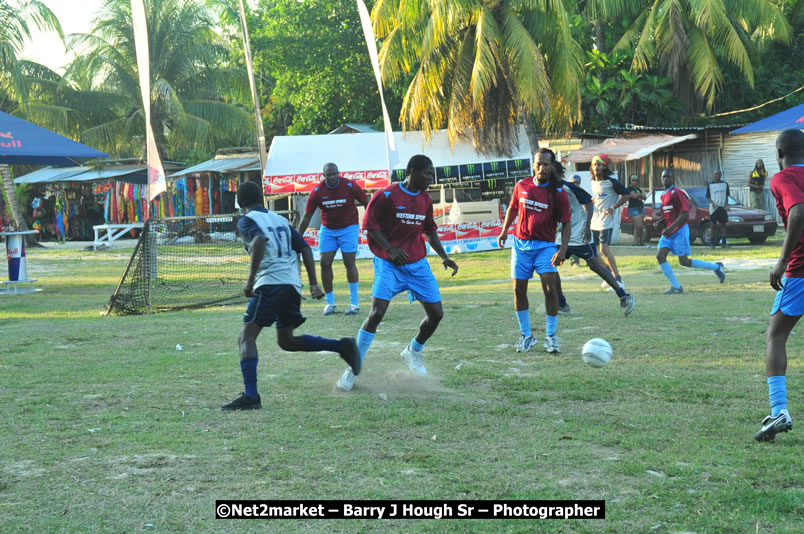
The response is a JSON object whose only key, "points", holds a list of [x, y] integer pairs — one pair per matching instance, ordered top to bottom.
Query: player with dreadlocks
{"points": [[608, 194], [540, 203]]}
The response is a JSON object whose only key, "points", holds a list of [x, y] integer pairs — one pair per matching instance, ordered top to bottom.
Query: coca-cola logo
{"points": [[376, 175], [307, 178], [282, 179], [490, 224], [466, 226], [445, 228]]}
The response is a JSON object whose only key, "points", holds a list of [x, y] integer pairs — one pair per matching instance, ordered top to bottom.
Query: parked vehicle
{"points": [[752, 223]]}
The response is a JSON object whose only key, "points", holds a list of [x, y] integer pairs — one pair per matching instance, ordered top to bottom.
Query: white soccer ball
{"points": [[596, 352]]}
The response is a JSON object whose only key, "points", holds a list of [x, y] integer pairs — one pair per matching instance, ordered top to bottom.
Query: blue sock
{"points": [[700, 264], [668, 272], [353, 293], [330, 298], [562, 300], [524, 322], [550, 325], [364, 340], [314, 344], [415, 345], [249, 369], [777, 392]]}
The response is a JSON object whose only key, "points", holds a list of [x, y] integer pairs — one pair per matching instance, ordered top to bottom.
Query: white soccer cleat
{"points": [[330, 309], [353, 310], [525, 343], [551, 344], [414, 361], [347, 381]]}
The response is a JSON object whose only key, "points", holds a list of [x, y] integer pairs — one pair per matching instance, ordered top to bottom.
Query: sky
{"points": [[75, 16]]}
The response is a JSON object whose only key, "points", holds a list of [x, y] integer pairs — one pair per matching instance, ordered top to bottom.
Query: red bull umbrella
{"points": [[25, 142]]}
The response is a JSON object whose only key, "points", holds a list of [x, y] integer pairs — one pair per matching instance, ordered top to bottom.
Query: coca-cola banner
{"points": [[304, 183], [456, 238]]}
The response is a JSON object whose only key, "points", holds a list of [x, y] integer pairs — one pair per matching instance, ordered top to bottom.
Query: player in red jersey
{"points": [[336, 197], [540, 203], [396, 219], [676, 234], [787, 278]]}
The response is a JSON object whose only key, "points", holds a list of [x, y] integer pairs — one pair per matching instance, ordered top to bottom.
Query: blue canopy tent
{"points": [[785, 120], [22, 142]]}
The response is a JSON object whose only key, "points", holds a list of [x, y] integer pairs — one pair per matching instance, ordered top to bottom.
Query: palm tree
{"points": [[14, 21], [691, 41], [484, 65], [191, 86]]}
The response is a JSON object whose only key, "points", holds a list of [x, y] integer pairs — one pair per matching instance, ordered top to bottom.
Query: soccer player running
{"points": [[717, 193], [608, 194], [336, 197], [539, 204], [581, 210], [395, 220], [676, 234], [787, 278], [274, 287]]}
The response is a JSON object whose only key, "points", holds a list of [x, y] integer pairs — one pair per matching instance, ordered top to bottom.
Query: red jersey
{"points": [[787, 187], [337, 203], [674, 203], [539, 210], [402, 217]]}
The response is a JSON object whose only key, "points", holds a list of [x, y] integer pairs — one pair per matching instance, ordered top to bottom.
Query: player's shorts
{"points": [[635, 212], [719, 216], [602, 237], [345, 239], [678, 243], [585, 252], [529, 256], [417, 278], [790, 299], [280, 304]]}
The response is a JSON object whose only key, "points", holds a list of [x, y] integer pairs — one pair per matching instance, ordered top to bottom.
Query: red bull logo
{"points": [[800, 120], [7, 140], [15, 249]]}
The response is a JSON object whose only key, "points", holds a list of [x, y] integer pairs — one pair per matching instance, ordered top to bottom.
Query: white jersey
{"points": [[605, 193], [718, 195], [577, 198], [279, 265]]}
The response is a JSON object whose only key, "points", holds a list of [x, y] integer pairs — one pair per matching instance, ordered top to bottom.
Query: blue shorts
{"points": [[635, 212], [602, 237], [345, 239], [678, 243], [585, 252], [537, 256], [417, 278], [790, 299], [280, 304]]}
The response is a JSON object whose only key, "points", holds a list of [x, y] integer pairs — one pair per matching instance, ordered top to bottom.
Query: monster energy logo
{"points": [[517, 164], [495, 166], [470, 168], [447, 172], [400, 174], [492, 184]]}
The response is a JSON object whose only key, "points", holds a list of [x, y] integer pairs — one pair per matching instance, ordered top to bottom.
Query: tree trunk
{"points": [[533, 135], [11, 194]]}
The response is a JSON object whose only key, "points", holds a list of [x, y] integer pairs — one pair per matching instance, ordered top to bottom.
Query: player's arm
{"points": [[621, 190], [728, 193], [589, 208], [510, 214], [305, 222], [678, 223], [795, 225], [435, 242], [299, 245], [257, 250], [396, 255], [561, 255]]}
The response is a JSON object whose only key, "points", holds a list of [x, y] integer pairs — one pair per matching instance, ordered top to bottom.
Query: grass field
{"points": [[106, 427]]}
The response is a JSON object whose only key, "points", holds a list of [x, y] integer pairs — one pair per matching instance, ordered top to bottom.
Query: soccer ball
{"points": [[596, 352]]}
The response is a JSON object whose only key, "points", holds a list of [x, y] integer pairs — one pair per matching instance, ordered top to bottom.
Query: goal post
{"points": [[180, 263]]}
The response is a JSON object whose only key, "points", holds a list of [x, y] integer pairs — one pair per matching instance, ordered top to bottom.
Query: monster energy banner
{"points": [[518, 167], [494, 169], [471, 172], [398, 175], [447, 175], [491, 189]]}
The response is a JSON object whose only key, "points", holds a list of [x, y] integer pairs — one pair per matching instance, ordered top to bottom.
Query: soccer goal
{"points": [[183, 262]]}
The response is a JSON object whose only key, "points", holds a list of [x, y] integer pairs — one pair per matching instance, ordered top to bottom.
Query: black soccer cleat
{"points": [[351, 354], [243, 403], [774, 425]]}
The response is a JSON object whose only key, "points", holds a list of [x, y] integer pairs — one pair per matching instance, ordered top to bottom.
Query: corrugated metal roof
{"points": [[640, 128], [217, 165], [49, 174]]}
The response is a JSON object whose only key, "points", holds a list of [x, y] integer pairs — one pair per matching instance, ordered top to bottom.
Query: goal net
{"points": [[183, 262]]}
